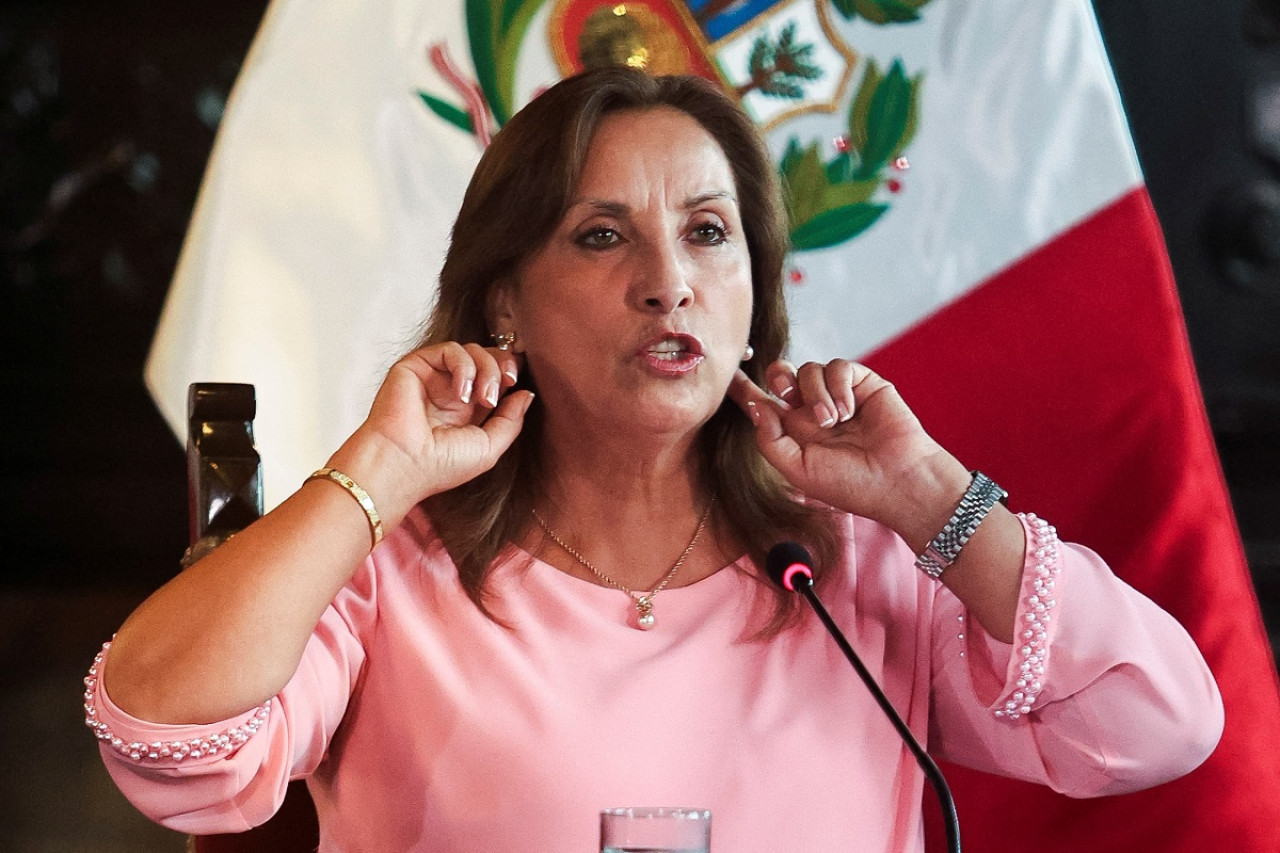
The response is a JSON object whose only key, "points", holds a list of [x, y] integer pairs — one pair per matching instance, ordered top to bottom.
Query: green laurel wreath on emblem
{"points": [[495, 29], [456, 116], [830, 201]]}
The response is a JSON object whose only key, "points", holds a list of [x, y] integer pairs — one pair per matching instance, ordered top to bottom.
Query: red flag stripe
{"points": [[1068, 378]]}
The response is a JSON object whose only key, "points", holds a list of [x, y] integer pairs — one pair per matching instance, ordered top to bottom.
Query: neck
{"points": [[590, 464], [629, 510]]}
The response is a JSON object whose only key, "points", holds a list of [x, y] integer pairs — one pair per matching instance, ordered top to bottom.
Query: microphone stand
{"points": [[803, 584]]}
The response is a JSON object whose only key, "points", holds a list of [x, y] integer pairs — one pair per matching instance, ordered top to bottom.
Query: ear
{"points": [[499, 308]]}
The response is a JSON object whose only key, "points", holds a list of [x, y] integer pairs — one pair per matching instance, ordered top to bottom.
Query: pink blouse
{"points": [[422, 725]]}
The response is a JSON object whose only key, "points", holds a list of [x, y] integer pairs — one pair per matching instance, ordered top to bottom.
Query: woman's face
{"points": [[636, 311]]}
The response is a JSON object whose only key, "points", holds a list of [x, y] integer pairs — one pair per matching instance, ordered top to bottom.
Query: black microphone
{"points": [[791, 567]]}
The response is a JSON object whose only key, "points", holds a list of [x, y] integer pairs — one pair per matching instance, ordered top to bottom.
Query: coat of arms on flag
{"points": [[781, 59]]}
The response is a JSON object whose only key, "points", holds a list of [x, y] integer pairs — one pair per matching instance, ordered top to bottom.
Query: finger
{"points": [[509, 364], [447, 371], [488, 375], [839, 377], [781, 379], [866, 380], [812, 381], [866, 383], [744, 392], [753, 400], [506, 421], [778, 448]]}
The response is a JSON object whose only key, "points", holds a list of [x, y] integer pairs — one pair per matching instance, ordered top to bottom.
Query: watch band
{"points": [[983, 494]]}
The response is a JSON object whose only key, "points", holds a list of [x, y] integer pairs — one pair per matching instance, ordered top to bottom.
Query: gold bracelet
{"points": [[361, 496]]}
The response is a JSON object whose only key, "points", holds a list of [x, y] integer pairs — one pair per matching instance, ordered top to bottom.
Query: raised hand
{"points": [[443, 415], [841, 434]]}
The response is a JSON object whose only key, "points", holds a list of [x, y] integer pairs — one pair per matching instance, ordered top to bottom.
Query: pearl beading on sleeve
{"points": [[1034, 637], [222, 743]]}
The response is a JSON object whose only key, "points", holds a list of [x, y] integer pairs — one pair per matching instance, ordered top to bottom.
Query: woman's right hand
{"points": [[443, 415]]}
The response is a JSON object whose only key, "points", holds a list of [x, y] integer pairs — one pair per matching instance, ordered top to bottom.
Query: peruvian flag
{"points": [[969, 218]]}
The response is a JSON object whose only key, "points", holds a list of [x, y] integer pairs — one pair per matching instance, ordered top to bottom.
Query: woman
{"points": [[480, 681]]}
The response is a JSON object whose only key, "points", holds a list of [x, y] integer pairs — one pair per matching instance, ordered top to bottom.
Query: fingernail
{"points": [[510, 373], [466, 391], [784, 391], [491, 394], [753, 411], [823, 413], [845, 414]]}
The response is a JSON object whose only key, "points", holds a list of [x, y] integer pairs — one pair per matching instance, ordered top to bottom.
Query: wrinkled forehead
{"points": [[653, 154]]}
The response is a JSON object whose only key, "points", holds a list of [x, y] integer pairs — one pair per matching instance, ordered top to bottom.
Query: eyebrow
{"points": [[617, 208]]}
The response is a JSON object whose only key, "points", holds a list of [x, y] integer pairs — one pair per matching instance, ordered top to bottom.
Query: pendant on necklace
{"points": [[644, 613]]}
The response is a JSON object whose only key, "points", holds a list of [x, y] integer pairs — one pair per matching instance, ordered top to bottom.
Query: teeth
{"points": [[667, 346]]}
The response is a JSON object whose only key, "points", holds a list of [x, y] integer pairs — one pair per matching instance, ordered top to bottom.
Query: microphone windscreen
{"points": [[785, 560]]}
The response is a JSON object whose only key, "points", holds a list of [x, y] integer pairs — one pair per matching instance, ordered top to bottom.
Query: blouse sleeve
{"points": [[1102, 692], [231, 775]]}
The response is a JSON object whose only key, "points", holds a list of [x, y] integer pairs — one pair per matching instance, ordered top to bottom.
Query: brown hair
{"points": [[519, 192]]}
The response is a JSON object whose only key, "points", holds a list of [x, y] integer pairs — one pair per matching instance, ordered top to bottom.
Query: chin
{"points": [[669, 419]]}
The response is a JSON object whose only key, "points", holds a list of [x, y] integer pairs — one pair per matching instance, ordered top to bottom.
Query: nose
{"points": [[662, 283]]}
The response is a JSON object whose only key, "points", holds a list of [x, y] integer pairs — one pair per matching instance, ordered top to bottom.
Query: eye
{"points": [[708, 234], [598, 238]]}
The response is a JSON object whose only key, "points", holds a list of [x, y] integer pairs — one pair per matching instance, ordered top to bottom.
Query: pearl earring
{"points": [[748, 353]]}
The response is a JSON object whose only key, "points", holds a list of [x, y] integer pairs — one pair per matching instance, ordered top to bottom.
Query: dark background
{"points": [[107, 115]]}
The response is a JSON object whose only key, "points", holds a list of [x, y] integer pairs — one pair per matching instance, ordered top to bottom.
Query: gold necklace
{"points": [[644, 603]]}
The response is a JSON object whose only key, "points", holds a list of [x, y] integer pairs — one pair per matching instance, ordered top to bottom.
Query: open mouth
{"points": [[669, 350], [673, 353]]}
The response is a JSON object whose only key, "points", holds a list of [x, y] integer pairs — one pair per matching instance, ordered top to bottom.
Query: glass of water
{"points": [[655, 830]]}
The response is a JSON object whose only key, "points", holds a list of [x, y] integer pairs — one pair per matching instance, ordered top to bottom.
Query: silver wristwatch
{"points": [[979, 498]]}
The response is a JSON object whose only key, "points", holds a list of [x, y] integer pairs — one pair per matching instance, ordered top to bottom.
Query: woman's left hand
{"points": [[841, 434]]}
